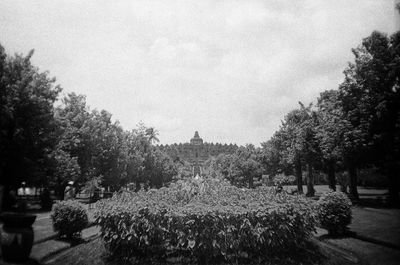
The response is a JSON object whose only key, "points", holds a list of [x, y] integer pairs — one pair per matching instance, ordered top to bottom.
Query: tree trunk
{"points": [[392, 169], [331, 175], [299, 176], [310, 181], [353, 181], [251, 182], [137, 185], [393, 189]]}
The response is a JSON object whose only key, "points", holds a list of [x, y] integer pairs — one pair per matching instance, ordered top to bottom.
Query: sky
{"points": [[228, 69]]}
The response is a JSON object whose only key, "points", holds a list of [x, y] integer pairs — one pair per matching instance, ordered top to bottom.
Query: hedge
{"points": [[204, 219]]}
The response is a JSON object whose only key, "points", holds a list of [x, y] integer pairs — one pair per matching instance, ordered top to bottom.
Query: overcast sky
{"points": [[228, 69]]}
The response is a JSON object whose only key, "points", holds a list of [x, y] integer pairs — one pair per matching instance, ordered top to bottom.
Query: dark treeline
{"points": [[354, 127], [47, 146]]}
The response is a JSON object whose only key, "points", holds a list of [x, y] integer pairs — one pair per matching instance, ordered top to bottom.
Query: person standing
{"points": [[69, 193]]}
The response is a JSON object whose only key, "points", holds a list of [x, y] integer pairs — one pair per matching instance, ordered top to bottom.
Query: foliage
{"points": [[370, 95], [27, 125], [91, 142], [92, 145], [294, 146], [240, 167], [244, 167], [65, 169], [281, 179], [334, 212], [69, 218], [206, 219]]}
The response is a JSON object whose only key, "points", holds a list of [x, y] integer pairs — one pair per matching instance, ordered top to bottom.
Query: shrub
{"points": [[281, 179], [334, 212], [69, 219], [204, 219]]}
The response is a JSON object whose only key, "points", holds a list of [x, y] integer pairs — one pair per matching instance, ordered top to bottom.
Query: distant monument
{"points": [[196, 140], [196, 143], [196, 152]]}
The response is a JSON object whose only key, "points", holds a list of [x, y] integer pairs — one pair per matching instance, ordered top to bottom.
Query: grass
{"points": [[380, 224], [94, 253], [370, 253]]}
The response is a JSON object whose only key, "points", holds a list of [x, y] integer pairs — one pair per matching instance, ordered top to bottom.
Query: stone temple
{"points": [[196, 152]]}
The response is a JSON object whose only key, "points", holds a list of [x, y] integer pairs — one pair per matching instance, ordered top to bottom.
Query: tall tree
{"points": [[371, 102], [27, 126], [330, 131], [300, 139], [93, 140], [274, 158]]}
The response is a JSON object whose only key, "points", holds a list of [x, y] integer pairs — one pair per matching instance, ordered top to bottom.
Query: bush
{"points": [[281, 179], [334, 212], [69, 219], [204, 219]]}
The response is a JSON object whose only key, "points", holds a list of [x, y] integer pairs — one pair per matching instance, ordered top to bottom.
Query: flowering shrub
{"points": [[334, 212], [69, 218], [204, 219]]}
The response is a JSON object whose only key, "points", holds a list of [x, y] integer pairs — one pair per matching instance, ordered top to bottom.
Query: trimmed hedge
{"points": [[334, 212], [69, 218], [204, 219]]}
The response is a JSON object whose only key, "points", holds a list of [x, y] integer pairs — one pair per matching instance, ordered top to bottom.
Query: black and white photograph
{"points": [[216, 132]]}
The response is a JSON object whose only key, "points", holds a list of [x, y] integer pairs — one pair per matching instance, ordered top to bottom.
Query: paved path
{"points": [[43, 227]]}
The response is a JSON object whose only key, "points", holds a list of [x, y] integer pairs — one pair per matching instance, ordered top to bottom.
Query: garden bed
{"points": [[205, 220]]}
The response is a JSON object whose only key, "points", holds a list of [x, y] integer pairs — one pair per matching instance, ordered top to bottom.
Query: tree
{"points": [[370, 96], [27, 126], [330, 132], [74, 135], [94, 140], [301, 143], [108, 158], [274, 161], [220, 164], [244, 167], [65, 169], [162, 170]]}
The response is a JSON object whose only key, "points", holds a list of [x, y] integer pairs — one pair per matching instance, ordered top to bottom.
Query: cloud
{"points": [[229, 69]]}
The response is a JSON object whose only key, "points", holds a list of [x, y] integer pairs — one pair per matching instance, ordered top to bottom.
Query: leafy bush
{"points": [[281, 179], [334, 212], [69, 219], [204, 219]]}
